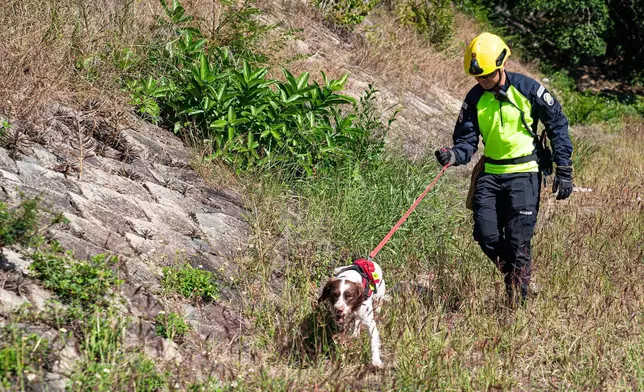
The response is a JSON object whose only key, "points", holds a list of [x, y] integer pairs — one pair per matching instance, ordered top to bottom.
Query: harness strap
{"points": [[512, 161], [365, 279]]}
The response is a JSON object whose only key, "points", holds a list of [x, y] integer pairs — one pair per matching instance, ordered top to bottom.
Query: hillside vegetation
{"points": [[317, 157]]}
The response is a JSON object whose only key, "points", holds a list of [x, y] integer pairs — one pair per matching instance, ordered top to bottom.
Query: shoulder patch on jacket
{"points": [[540, 91], [548, 98], [465, 105]]}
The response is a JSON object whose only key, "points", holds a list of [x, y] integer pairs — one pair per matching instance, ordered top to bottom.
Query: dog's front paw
{"points": [[377, 363]]}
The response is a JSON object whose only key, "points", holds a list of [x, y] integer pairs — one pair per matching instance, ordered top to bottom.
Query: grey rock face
{"points": [[135, 197], [148, 204]]}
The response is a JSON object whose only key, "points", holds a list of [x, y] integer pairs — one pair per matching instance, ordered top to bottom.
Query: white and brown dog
{"points": [[354, 292]]}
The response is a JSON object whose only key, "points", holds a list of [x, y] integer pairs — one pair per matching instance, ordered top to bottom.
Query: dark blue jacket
{"points": [[544, 108]]}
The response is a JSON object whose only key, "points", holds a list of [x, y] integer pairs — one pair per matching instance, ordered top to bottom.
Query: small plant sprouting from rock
{"points": [[4, 125], [14, 139], [83, 143], [104, 150], [129, 153], [66, 166], [129, 174], [166, 182], [184, 189], [193, 216], [19, 223], [194, 233], [146, 234], [83, 282], [190, 282], [171, 326]]}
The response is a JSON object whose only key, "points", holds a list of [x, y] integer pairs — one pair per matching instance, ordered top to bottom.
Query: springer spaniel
{"points": [[353, 292]]}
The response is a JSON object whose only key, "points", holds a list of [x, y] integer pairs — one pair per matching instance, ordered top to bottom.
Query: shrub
{"points": [[346, 12], [432, 19], [575, 29], [251, 120], [19, 224], [75, 281], [190, 282], [171, 326]]}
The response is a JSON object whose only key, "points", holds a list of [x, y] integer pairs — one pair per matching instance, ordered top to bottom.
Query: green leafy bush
{"points": [[346, 12], [433, 19], [575, 27], [571, 29], [607, 34], [251, 120], [75, 281], [190, 282], [171, 326], [125, 373]]}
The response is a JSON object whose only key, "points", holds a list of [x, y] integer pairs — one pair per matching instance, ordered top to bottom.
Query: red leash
{"points": [[404, 218]]}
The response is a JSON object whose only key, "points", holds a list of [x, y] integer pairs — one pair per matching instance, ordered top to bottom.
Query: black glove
{"points": [[445, 155], [562, 182]]}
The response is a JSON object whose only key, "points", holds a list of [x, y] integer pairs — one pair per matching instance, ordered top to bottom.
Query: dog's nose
{"points": [[339, 310]]}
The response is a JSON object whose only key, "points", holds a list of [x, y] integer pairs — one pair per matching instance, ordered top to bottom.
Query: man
{"points": [[504, 108]]}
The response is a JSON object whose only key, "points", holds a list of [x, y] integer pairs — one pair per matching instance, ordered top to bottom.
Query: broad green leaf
{"points": [[246, 71], [324, 78], [302, 81], [337, 85], [293, 98], [194, 112], [231, 114], [238, 121], [218, 124]]}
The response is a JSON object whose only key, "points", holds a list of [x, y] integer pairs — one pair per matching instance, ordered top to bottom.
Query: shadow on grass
{"points": [[311, 340]]}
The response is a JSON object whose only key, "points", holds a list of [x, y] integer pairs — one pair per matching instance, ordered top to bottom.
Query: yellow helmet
{"points": [[485, 54]]}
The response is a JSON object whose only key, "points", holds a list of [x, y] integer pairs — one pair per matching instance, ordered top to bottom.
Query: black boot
{"points": [[516, 291]]}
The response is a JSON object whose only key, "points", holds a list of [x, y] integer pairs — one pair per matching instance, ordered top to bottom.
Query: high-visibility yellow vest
{"points": [[504, 133]]}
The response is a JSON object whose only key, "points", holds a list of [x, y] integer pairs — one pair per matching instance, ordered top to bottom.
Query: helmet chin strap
{"points": [[497, 86]]}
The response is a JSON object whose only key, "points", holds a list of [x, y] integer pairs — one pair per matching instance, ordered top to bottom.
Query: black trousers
{"points": [[505, 213]]}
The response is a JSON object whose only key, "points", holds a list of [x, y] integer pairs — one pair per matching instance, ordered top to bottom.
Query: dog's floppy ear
{"points": [[326, 291]]}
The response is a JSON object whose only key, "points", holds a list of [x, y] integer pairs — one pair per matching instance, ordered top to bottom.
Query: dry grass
{"points": [[47, 41], [380, 47], [383, 48], [68, 50], [407, 61]]}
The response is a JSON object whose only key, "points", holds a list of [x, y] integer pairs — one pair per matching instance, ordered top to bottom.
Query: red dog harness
{"points": [[366, 270]]}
